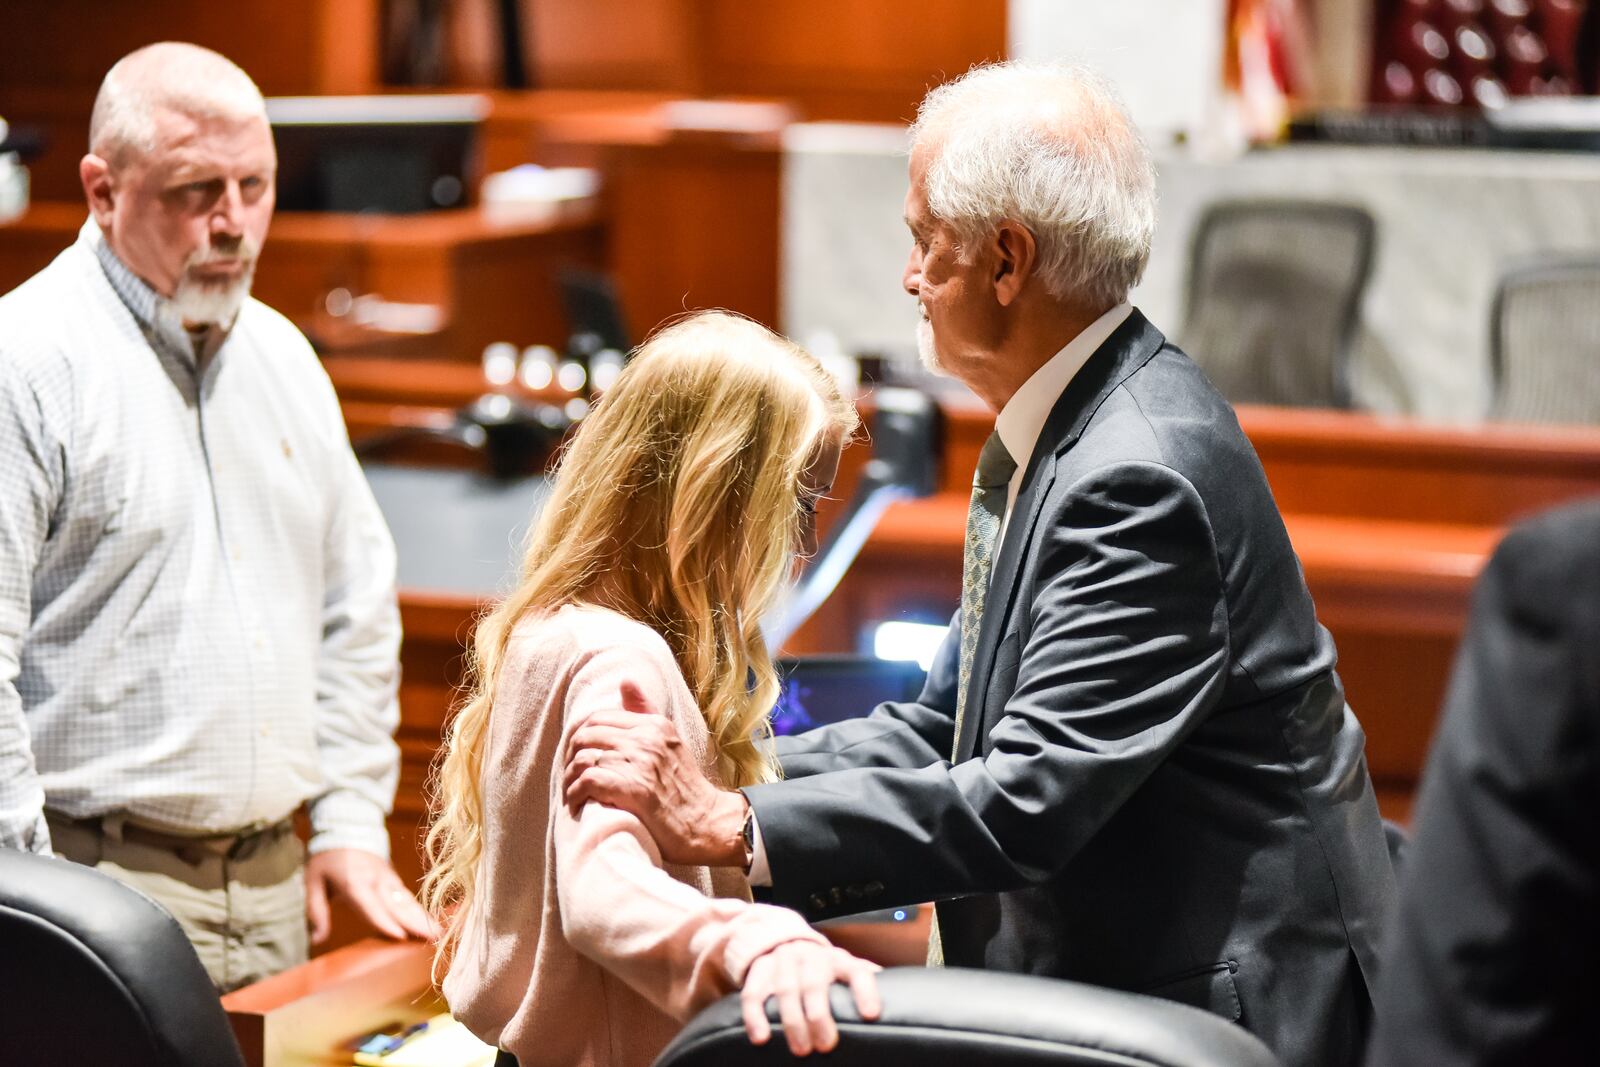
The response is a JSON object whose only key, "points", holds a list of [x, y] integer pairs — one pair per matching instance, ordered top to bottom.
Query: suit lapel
{"points": [[1128, 348]]}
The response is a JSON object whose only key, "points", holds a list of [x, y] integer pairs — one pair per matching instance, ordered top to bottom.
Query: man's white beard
{"points": [[197, 300], [927, 351]]}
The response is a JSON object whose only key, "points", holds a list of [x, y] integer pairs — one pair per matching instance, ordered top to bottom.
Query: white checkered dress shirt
{"points": [[198, 625]]}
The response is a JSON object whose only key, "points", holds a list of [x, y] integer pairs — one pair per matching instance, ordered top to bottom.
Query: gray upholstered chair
{"points": [[1274, 297], [1545, 343], [93, 972], [963, 1018]]}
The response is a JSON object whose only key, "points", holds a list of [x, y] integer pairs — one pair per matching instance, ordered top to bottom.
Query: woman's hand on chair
{"points": [[799, 974]]}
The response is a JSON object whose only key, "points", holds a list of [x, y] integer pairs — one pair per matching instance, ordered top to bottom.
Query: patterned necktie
{"points": [[990, 485]]}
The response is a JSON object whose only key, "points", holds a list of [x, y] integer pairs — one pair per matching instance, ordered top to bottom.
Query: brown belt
{"points": [[191, 849]]}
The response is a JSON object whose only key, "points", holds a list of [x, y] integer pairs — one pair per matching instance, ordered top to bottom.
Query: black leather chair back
{"points": [[94, 972], [964, 1018]]}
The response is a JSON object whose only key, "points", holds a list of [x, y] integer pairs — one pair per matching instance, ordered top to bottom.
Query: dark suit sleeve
{"points": [[1126, 654], [908, 734], [1493, 957]]}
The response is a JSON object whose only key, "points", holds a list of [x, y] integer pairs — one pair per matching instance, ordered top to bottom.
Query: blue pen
{"points": [[383, 1044]]}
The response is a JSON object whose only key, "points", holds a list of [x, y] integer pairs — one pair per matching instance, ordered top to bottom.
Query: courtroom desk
{"points": [[490, 280], [1345, 463], [307, 1016]]}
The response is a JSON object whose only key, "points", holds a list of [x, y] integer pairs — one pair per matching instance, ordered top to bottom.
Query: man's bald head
{"points": [[170, 76]]}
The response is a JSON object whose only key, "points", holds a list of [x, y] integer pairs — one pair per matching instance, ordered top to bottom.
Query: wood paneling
{"points": [[616, 44], [288, 46], [54, 53], [835, 59], [839, 59], [693, 212], [695, 227], [1333, 463]]}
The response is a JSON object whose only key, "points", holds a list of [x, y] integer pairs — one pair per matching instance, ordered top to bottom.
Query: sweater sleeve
{"points": [[619, 906]]}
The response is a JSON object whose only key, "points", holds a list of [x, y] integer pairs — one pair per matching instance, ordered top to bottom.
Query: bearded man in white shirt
{"points": [[198, 625]]}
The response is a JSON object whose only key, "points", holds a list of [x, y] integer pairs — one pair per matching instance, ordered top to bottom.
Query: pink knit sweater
{"points": [[581, 948]]}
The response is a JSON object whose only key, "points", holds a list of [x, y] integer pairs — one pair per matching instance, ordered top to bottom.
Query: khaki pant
{"points": [[245, 914]]}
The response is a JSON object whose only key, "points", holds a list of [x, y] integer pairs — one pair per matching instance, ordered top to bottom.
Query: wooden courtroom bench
{"points": [[306, 1016]]}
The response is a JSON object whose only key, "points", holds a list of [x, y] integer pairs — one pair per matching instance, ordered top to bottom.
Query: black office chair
{"points": [[1274, 297], [1545, 343], [93, 972], [961, 1018]]}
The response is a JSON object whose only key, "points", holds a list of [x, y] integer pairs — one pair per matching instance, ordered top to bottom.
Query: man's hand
{"points": [[633, 759], [370, 884], [799, 974]]}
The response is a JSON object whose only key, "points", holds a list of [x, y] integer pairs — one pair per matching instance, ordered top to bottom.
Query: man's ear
{"points": [[98, 187], [1016, 255]]}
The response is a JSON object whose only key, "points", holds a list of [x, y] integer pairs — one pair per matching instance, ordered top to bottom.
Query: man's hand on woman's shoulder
{"points": [[632, 758]]}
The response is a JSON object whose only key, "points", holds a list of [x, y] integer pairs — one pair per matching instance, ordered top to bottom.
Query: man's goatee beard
{"points": [[196, 302]]}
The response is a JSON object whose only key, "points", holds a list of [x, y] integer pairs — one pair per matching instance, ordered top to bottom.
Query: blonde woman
{"points": [[672, 525]]}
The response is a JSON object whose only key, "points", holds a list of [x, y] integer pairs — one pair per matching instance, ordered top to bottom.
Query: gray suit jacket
{"points": [[1158, 786]]}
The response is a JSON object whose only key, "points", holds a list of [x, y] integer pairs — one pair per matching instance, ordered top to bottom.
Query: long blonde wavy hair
{"points": [[677, 503]]}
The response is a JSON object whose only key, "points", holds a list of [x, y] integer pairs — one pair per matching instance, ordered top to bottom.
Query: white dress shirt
{"points": [[1019, 424], [198, 624]]}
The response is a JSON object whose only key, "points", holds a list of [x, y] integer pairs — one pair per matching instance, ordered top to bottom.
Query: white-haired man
{"points": [[198, 626], [1132, 764]]}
